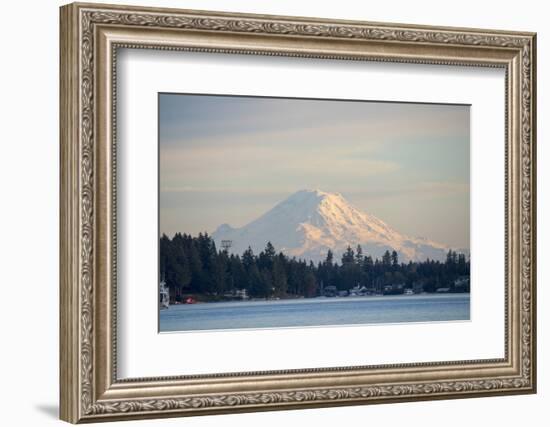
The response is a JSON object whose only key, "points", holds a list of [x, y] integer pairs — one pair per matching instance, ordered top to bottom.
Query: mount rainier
{"points": [[310, 222]]}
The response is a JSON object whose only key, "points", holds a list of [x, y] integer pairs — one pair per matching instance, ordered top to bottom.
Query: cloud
{"points": [[189, 118], [227, 159], [268, 166], [418, 191]]}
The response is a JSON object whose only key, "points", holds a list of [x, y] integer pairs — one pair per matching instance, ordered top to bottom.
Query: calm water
{"points": [[315, 312]]}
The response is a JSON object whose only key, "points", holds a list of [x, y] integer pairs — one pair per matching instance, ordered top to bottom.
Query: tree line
{"points": [[194, 266]]}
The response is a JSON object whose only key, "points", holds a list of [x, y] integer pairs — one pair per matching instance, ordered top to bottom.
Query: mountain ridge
{"points": [[310, 222]]}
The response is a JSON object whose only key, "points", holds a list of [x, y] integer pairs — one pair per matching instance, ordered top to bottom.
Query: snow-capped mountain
{"points": [[310, 222]]}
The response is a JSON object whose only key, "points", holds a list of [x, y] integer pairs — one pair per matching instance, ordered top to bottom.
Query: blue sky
{"points": [[227, 159]]}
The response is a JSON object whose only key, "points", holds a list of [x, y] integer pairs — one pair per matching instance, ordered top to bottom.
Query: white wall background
{"points": [[29, 171]]}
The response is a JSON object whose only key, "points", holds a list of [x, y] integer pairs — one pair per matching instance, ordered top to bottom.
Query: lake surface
{"points": [[315, 312]]}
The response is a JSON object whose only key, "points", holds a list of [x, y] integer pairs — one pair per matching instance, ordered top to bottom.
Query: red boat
{"points": [[190, 300]]}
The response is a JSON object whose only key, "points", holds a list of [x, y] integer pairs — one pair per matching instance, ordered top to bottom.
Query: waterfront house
{"points": [[462, 284], [418, 287], [394, 289], [330, 291], [357, 291], [241, 293]]}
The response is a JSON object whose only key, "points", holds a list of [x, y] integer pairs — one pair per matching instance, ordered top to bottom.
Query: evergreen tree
{"points": [[269, 250], [359, 255], [348, 257], [248, 258], [330, 258], [265, 259], [386, 259], [394, 259], [193, 265], [462, 268], [368, 271], [219, 273], [279, 276], [237, 277], [293, 277], [256, 282], [310, 285]]}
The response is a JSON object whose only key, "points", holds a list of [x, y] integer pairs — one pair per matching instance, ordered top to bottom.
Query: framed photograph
{"points": [[266, 212]]}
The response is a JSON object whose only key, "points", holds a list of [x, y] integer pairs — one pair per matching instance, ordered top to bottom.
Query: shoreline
{"points": [[321, 298]]}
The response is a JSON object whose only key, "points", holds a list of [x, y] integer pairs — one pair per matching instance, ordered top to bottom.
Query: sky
{"points": [[229, 159]]}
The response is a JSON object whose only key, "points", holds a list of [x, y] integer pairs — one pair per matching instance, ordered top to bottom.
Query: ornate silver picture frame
{"points": [[91, 36]]}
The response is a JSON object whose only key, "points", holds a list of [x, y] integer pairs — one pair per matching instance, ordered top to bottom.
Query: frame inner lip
{"points": [[341, 370]]}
